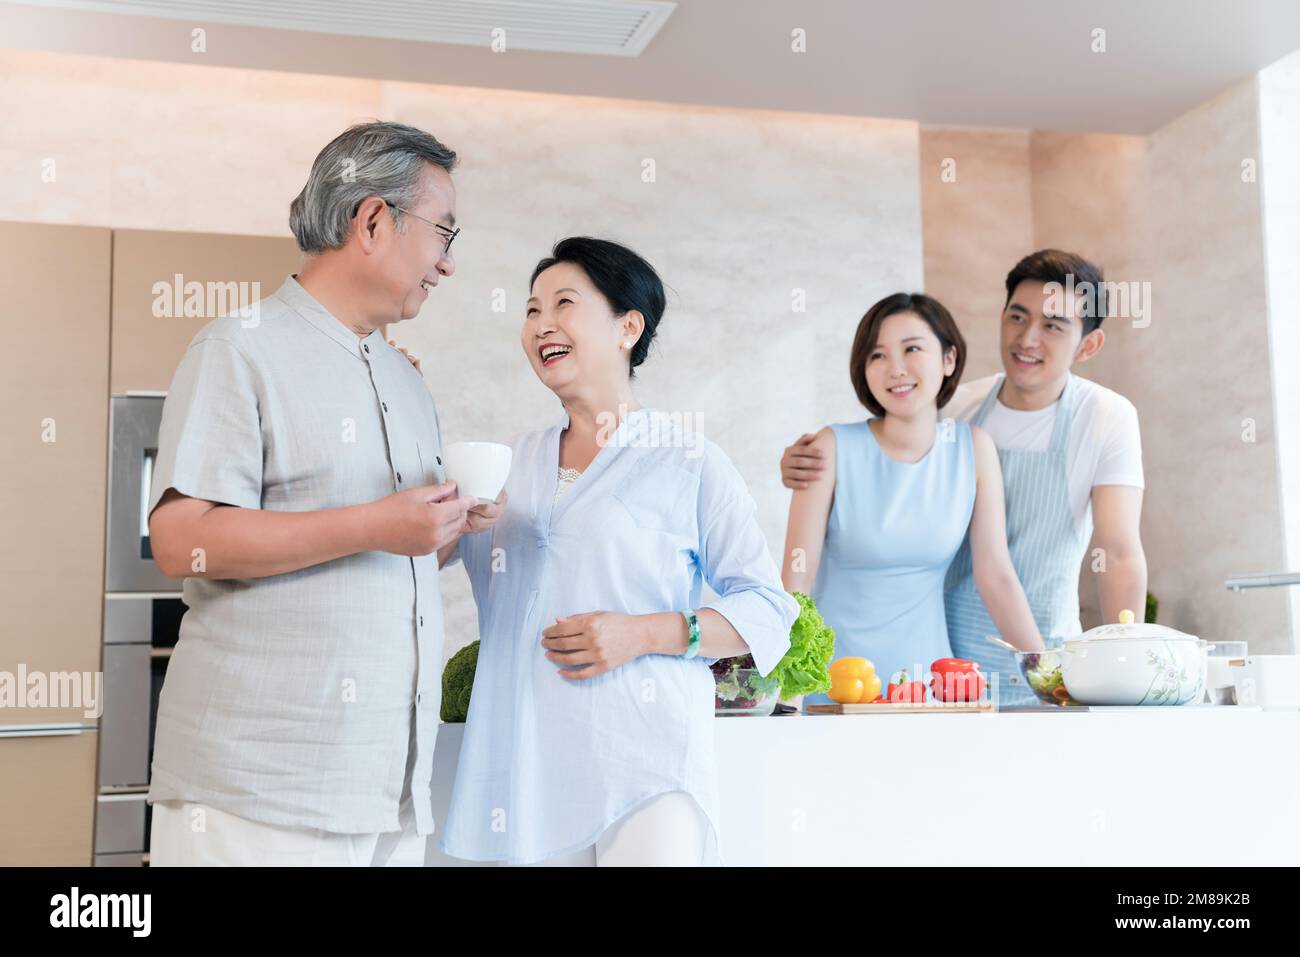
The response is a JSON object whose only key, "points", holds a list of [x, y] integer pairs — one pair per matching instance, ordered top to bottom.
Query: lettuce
{"points": [[803, 670]]}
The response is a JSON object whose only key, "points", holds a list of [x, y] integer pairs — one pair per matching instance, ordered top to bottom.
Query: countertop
{"points": [[1116, 786]]}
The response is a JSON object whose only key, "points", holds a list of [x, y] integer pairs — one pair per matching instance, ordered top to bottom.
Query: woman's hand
{"points": [[413, 359], [482, 517], [594, 642]]}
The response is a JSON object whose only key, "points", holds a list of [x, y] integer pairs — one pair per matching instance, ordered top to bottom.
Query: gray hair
{"points": [[369, 159]]}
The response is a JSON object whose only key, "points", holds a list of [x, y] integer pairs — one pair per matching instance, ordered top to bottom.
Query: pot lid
{"points": [[1127, 628]]}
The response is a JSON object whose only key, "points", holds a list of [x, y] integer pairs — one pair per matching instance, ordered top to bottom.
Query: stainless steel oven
{"points": [[135, 418], [142, 615]]}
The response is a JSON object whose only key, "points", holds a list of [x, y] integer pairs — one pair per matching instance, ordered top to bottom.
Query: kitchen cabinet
{"points": [[167, 286], [89, 312], [54, 417], [47, 803]]}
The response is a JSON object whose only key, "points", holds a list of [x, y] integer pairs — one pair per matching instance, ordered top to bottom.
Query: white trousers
{"points": [[667, 831], [185, 834]]}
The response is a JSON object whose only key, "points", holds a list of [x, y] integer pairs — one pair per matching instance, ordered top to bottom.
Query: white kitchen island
{"points": [[1144, 786]]}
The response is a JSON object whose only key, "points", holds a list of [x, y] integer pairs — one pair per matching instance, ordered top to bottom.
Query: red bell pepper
{"points": [[957, 679]]}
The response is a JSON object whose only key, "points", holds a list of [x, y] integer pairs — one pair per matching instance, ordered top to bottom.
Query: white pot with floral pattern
{"points": [[1134, 664]]}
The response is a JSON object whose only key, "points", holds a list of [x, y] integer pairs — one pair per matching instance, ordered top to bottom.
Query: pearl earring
{"points": [[627, 343]]}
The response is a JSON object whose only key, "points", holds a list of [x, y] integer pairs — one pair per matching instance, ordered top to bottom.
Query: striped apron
{"points": [[1046, 549]]}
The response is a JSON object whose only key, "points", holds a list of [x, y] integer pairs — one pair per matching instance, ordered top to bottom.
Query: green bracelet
{"points": [[693, 645]]}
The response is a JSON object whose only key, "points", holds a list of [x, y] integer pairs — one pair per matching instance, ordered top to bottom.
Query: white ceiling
{"points": [[1017, 64]]}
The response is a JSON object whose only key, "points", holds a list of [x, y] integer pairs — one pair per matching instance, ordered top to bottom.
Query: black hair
{"points": [[1066, 269], [625, 279], [941, 323]]}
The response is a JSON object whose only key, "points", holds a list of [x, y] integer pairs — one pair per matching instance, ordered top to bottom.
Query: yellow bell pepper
{"points": [[852, 667], [853, 681], [846, 689], [872, 690]]}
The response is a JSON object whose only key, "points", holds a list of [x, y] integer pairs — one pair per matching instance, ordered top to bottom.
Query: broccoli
{"points": [[458, 683]]}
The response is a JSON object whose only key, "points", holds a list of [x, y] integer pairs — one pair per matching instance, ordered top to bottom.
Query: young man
{"points": [[1071, 458]]}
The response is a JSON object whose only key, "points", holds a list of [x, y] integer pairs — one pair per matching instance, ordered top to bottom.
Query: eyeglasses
{"points": [[443, 231]]}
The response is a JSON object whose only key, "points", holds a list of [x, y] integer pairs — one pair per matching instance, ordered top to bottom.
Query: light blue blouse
{"points": [[547, 764]]}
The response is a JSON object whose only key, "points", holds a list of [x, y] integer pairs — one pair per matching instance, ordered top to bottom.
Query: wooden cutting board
{"points": [[925, 707]]}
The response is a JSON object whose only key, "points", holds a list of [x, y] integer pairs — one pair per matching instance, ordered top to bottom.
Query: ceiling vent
{"points": [[609, 27]]}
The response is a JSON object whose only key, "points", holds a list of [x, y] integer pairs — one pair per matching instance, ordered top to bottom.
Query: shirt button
{"points": [[365, 348], [385, 406], [438, 459], [399, 476], [541, 543], [421, 621], [419, 697]]}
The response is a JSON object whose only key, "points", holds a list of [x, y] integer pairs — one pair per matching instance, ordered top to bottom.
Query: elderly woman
{"points": [[589, 739]]}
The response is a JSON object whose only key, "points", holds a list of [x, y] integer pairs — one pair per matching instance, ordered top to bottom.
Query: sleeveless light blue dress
{"points": [[893, 529]]}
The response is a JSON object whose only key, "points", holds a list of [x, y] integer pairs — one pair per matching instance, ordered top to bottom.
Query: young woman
{"points": [[871, 540], [590, 731]]}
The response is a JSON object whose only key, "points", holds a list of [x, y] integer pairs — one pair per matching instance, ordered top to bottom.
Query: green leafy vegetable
{"points": [[812, 645], [1045, 679]]}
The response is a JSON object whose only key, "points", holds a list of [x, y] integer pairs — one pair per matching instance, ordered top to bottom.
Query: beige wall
{"points": [[1085, 192], [1169, 209], [747, 210], [978, 216], [1218, 511]]}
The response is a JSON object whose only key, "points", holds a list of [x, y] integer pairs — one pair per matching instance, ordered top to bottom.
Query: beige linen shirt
{"points": [[289, 699]]}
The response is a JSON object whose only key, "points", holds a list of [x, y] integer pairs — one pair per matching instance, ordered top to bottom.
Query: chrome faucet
{"points": [[1271, 580]]}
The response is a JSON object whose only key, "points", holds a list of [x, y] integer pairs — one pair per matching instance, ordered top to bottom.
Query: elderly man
{"points": [[300, 489]]}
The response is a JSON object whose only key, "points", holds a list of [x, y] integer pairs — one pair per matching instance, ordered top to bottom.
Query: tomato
{"points": [[905, 691]]}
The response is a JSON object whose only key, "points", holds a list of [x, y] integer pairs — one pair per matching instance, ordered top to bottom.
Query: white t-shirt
{"points": [[1105, 446]]}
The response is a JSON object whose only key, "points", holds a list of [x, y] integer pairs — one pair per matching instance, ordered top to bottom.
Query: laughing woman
{"points": [[873, 538], [589, 739]]}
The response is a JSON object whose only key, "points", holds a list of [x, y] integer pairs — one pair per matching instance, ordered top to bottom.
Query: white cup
{"points": [[478, 468]]}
